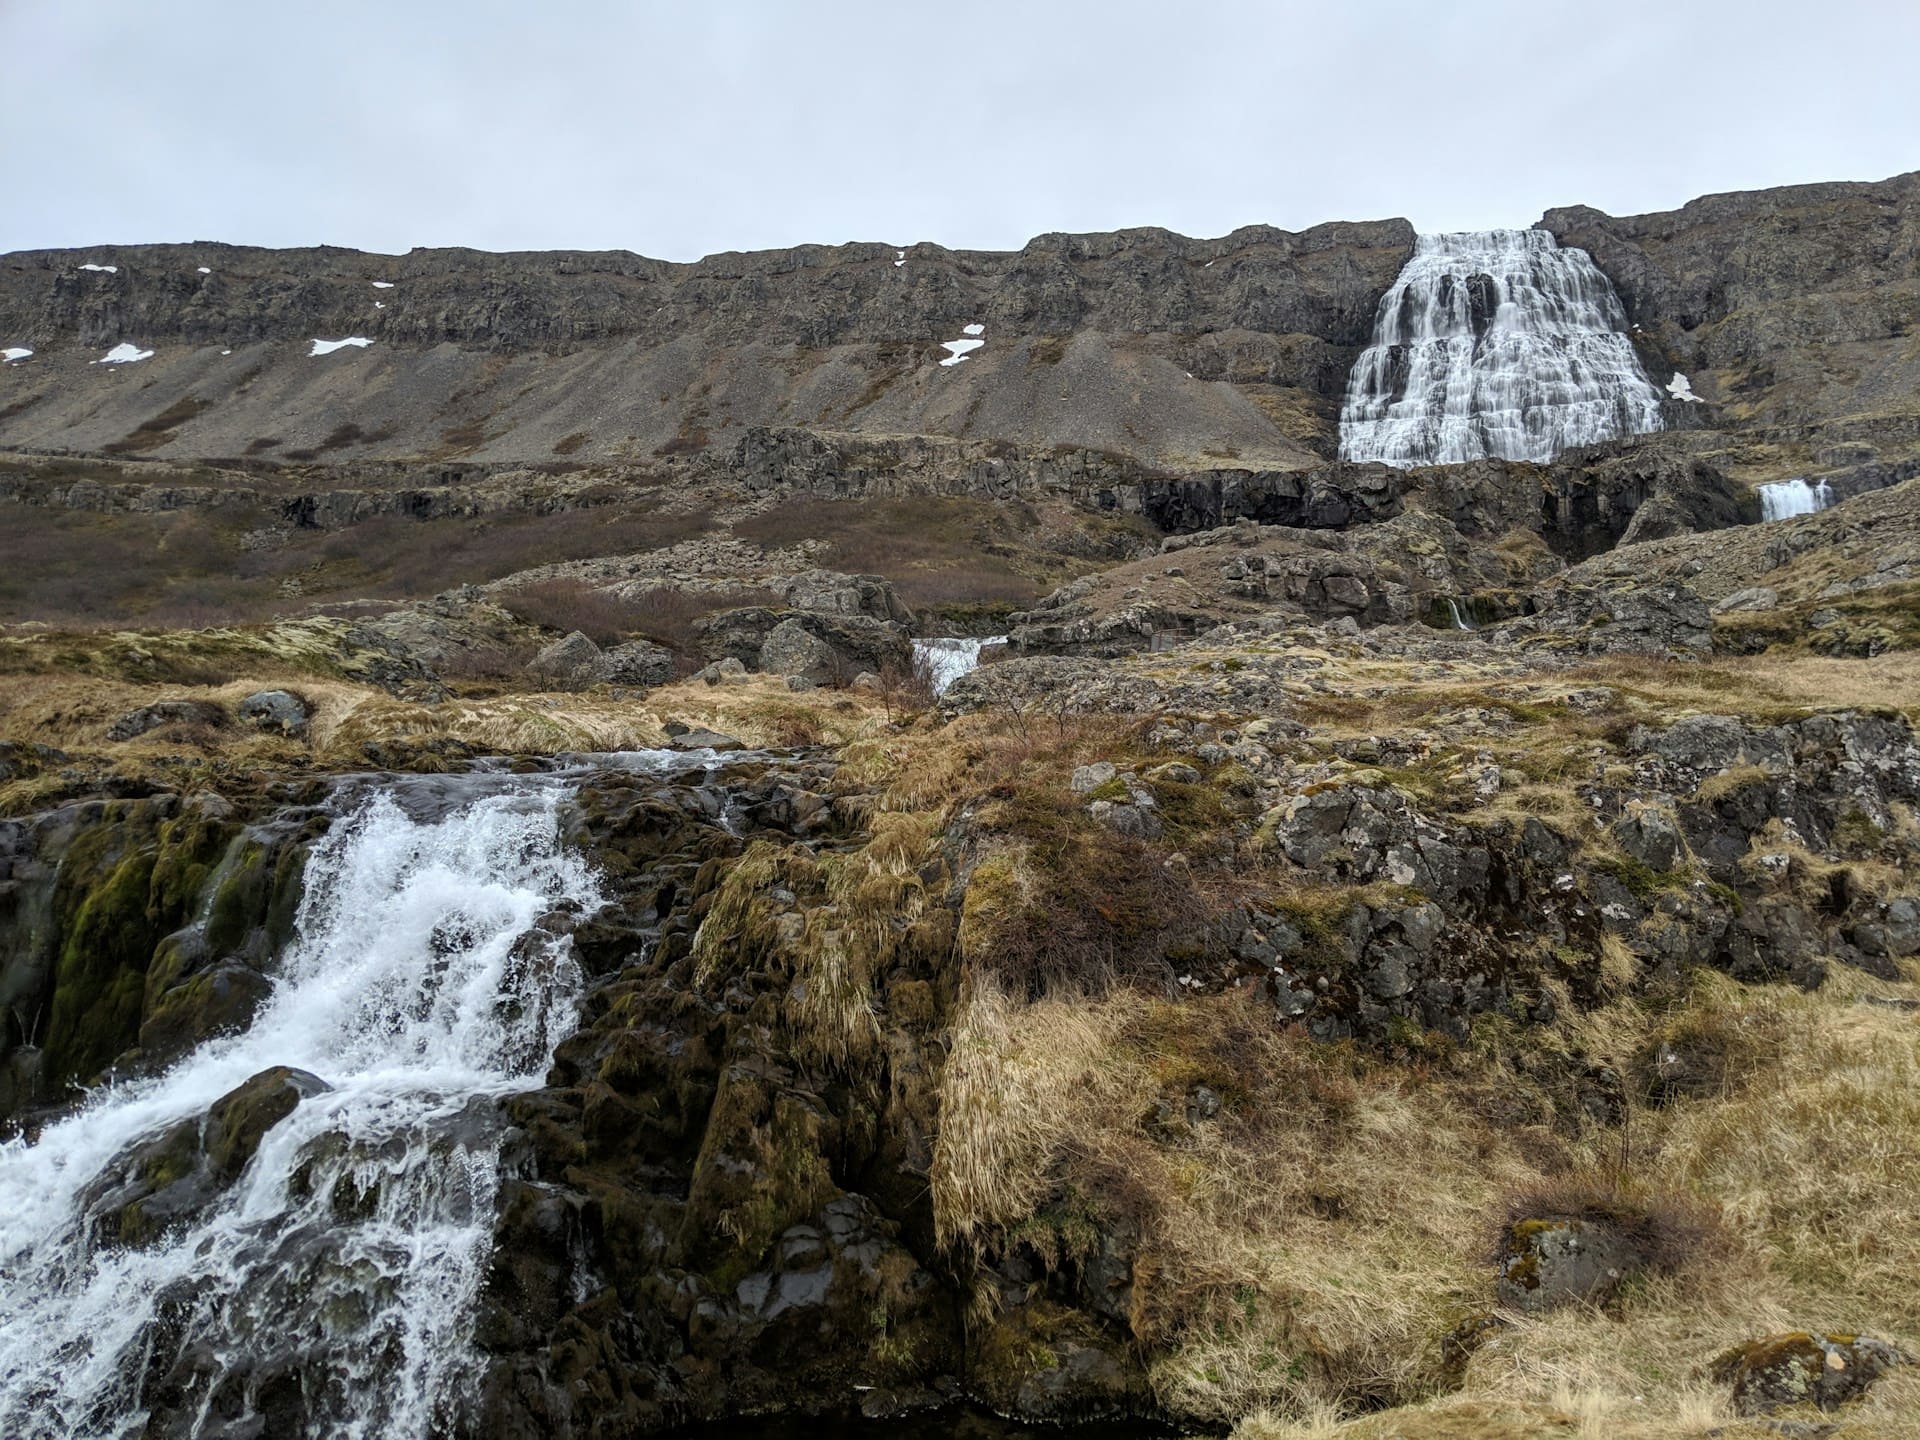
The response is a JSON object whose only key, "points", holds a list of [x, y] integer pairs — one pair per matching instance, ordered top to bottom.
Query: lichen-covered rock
{"points": [[790, 650], [573, 659], [636, 662], [278, 710], [1554, 1262], [1804, 1367]]}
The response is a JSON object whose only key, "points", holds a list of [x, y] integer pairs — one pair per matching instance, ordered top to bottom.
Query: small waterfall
{"points": [[1495, 343], [1786, 498], [1461, 621], [948, 657], [340, 1265]]}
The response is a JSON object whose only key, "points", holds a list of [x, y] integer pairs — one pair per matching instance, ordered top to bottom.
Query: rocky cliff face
{"points": [[1793, 311], [1142, 341]]}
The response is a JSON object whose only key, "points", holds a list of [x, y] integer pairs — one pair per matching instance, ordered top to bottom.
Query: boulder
{"points": [[829, 592], [861, 642], [790, 650], [572, 660], [636, 662], [721, 672], [276, 710], [701, 739], [240, 1119], [1558, 1262], [1803, 1367]]}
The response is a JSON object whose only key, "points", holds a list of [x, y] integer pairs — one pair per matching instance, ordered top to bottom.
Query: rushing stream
{"points": [[348, 1253]]}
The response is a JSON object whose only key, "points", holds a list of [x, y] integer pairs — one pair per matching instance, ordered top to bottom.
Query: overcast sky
{"points": [[681, 129]]}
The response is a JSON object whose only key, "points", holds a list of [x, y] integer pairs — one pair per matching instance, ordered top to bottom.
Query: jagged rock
{"points": [[829, 592], [860, 642], [790, 650], [572, 660], [636, 662], [279, 710], [136, 723], [1092, 777], [1650, 836], [1804, 1368]]}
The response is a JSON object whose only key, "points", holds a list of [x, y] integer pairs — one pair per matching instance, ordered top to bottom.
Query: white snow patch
{"points": [[1207, 266], [103, 269], [203, 270], [383, 284], [379, 304], [975, 329], [327, 347], [957, 349], [226, 352], [13, 354], [123, 354], [1681, 388]]}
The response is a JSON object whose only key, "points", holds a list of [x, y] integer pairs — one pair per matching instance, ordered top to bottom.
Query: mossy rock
{"points": [[1802, 1367]]}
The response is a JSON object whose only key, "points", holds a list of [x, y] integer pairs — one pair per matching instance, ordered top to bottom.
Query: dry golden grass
{"points": [[1304, 1253]]}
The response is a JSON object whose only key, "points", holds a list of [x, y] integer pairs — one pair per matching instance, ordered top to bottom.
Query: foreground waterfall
{"points": [[1494, 343], [1787, 498], [948, 657], [324, 1281]]}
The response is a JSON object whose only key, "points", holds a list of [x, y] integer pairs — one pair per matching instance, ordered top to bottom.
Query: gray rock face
{"points": [[1750, 294], [613, 332], [858, 641], [790, 650], [571, 660], [636, 662], [277, 710], [1549, 1263]]}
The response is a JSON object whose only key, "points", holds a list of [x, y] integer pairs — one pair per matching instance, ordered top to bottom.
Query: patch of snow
{"points": [[1207, 266], [103, 269], [203, 270], [383, 284], [379, 304], [975, 329], [327, 347], [957, 349], [226, 352], [13, 354], [123, 354], [1681, 388]]}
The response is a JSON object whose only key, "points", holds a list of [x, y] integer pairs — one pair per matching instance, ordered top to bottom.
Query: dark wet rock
{"points": [[280, 711], [703, 739], [239, 1120], [1804, 1368]]}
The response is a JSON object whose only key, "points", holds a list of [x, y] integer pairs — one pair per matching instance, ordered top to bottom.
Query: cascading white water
{"points": [[1495, 343], [1786, 498], [1460, 619], [948, 657], [350, 1250]]}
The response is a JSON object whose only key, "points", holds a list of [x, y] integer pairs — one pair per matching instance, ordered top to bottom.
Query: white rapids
{"points": [[1495, 343], [1786, 498], [948, 657], [352, 1248]]}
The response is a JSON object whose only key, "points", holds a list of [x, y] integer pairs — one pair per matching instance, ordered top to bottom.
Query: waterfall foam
{"points": [[1495, 343], [1784, 499], [948, 657], [345, 1258]]}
